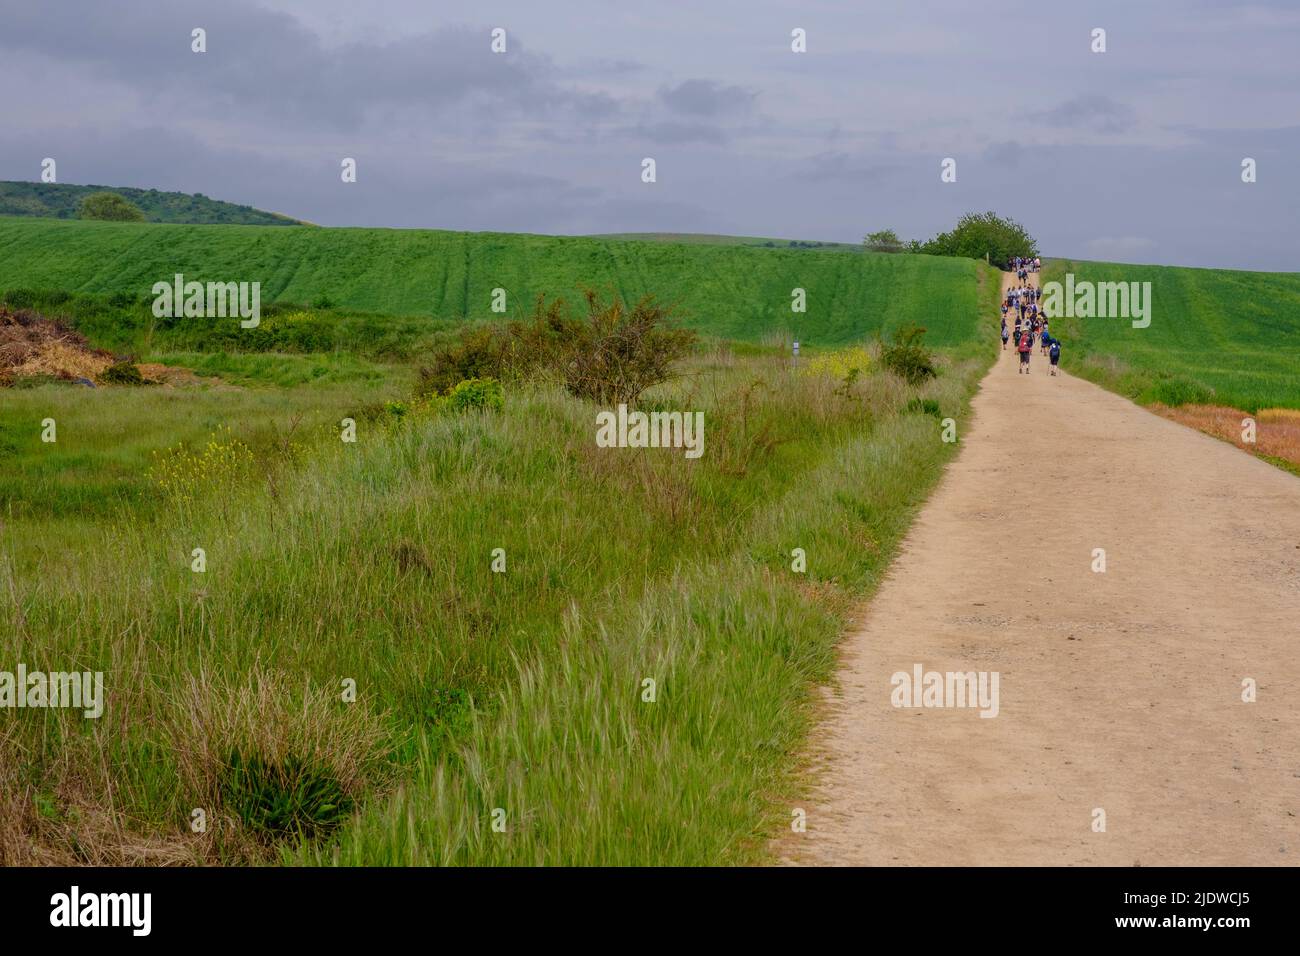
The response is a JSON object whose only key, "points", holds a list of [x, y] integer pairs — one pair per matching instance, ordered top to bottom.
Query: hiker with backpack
{"points": [[1025, 348], [1054, 354]]}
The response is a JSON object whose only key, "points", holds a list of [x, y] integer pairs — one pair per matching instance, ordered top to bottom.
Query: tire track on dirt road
{"points": [[1119, 691]]}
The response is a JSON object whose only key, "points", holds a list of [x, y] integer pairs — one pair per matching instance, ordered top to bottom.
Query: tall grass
{"points": [[95, 477], [350, 680], [520, 690]]}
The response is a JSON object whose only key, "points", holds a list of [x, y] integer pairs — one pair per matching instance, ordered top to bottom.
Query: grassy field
{"points": [[729, 291], [1217, 337], [518, 696]]}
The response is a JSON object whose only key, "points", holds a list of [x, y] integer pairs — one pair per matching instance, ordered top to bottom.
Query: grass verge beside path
{"points": [[369, 566]]}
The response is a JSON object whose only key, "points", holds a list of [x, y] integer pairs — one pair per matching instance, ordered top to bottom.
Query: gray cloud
{"points": [[264, 63], [707, 98], [1092, 112], [673, 132], [846, 167]]}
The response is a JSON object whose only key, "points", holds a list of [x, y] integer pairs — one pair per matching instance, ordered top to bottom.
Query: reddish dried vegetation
{"points": [[1277, 430]]}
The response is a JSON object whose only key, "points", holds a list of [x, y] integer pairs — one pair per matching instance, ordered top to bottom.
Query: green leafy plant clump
{"points": [[124, 372], [476, 393], [923, 406], [289, 798]]}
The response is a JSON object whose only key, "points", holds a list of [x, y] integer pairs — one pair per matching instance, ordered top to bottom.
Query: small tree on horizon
{"points": [[109, 207], [980, 234], [884, 240]]}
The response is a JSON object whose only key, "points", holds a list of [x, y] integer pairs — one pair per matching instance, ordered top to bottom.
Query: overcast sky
{"points": [[1132, 155]]}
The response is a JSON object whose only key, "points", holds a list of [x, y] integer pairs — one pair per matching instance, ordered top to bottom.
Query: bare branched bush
{"points": [[621, 353]]}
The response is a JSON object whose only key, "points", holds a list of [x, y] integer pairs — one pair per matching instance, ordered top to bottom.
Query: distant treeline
{"points": [[63, 201]]}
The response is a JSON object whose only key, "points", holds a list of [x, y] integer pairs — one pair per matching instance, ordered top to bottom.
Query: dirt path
{"points": [[1118, 691]]}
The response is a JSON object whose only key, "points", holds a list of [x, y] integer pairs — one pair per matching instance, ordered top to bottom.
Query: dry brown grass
{"points": [[33, 345], [63, 360], [170, 374], [1277, 430], [73, 818]]}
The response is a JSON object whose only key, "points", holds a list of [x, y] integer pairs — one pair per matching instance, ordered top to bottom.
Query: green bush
{"points": [[109, 207], [481, 352], [617, 354], [906, 357], [122, 373], [476, 393]]}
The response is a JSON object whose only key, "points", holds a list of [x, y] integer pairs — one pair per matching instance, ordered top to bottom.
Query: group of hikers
{"points": [[1023, 265], [1031, 323]]}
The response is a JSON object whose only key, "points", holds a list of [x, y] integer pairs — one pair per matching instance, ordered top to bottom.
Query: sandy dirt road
{"points": [[1118, 691]]}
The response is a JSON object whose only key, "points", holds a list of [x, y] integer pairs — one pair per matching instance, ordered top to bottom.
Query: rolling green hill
{"points": [[61, 201], [736, 291], [1216, 336]]}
